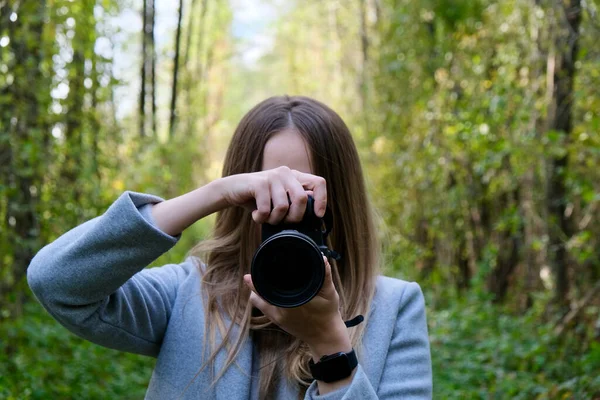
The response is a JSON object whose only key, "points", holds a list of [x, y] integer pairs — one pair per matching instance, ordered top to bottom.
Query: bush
{"points": [[480, 350], [39, 359]]}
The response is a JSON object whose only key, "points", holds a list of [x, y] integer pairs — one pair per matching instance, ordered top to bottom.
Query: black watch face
{"points": [[339, 363], [334, 367]]}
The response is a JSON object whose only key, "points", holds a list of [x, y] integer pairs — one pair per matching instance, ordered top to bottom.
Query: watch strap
{"points": [[354, 321], [334, 367]]}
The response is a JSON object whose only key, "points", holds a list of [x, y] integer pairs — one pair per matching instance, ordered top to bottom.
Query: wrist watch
{"points": [[334, 367]]}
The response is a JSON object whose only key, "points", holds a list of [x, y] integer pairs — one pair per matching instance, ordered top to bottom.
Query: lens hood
{"points": [[288, 269]]}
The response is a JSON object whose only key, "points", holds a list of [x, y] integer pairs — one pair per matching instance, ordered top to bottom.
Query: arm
{"points": [[264, 193], [175, 215], [83, 278], [92, 279], [407, 367]]}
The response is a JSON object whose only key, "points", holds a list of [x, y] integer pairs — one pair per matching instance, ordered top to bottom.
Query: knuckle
{"points": [[282, 171], [263, 182], [260, 183], [303, 198], [281, 207], [263, 210], [261, 213]]}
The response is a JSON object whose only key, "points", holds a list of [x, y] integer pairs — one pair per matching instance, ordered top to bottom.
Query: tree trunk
{"points": [[190, 24], [364, 41], [200, 47], [152, 57], [201, 70], [143, 71], [175, 72], [193, 79], [74, 118], [560, 120], [95, 125], [23, 128], [533, 215], [424, 238], [508, 239], [509, 250], [530, 258], [463, 277]]}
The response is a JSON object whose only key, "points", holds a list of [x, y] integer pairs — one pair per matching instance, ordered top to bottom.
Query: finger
{"points": [[319, 187], [262, 194], [299, 199], [280, 203], [328, 276], [257, 301], [262, 305]]}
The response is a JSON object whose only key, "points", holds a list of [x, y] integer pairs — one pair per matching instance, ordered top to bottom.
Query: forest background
{"points": [[477, 123]]}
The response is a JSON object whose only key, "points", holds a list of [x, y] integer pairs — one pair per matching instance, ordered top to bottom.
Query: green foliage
{"points": [[451, 103], [480, 350], [39, 359]]}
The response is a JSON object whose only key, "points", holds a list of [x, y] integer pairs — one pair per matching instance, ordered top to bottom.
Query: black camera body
{"points": [[288, 268]]}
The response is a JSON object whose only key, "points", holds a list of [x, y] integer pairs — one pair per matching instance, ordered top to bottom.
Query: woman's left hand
{"points": [[318, 323]]}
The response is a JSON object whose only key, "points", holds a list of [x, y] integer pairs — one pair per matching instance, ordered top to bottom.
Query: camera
{"points": [[288, 268]]}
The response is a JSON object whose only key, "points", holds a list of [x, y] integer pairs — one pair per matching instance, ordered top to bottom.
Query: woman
{"points": [[213, 336]]}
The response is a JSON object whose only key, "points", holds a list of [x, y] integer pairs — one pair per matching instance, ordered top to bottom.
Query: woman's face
{"points": [[287, 148]]}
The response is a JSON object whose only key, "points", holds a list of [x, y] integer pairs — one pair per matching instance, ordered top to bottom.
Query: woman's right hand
{"points": [[265, 193], [275, 195]]}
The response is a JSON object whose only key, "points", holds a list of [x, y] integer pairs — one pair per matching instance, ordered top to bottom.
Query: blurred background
{"points": [[477, 122]]}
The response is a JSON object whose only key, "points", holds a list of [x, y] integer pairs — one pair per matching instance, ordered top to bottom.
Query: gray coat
{"points": [[92, 280]]}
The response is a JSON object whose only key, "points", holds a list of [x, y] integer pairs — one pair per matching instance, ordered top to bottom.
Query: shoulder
{"points": [[392, 290], [396, 300]]}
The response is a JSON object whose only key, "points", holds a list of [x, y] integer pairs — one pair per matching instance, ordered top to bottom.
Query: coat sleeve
{"points": [[92, 279], [407, 370]]}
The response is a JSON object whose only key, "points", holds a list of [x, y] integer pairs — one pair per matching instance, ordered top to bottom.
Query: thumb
{"points": [[328, 288]]}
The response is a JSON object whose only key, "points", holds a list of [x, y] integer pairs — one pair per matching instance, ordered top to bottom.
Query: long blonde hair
{"points": [[228, 253]]}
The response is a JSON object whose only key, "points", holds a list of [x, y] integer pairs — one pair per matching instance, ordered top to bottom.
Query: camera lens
{"points": [[288, 269]]}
